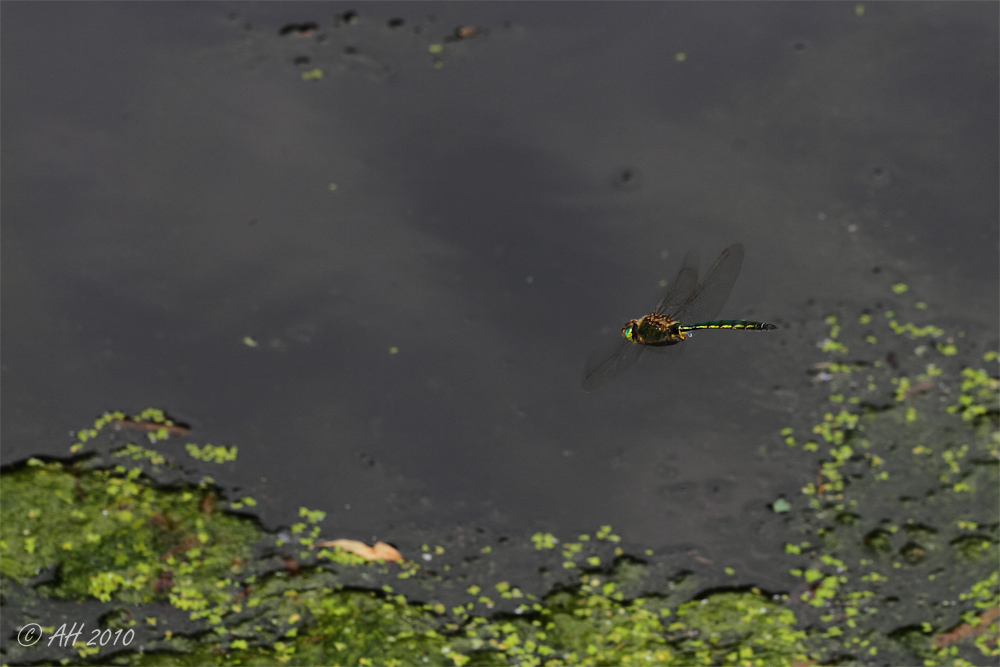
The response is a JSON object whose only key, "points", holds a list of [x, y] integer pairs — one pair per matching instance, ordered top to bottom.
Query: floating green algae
{"points": [[901, 525], [112, 534], [148, 546]]}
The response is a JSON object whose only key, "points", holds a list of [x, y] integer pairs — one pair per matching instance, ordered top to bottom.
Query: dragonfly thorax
{"points": [[653, 329]]}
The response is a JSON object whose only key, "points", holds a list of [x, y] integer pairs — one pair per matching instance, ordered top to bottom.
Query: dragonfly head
{"points": [[629, 329]]}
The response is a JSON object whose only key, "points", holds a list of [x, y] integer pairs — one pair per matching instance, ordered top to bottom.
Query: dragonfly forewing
{"points": [[683, 286], [711, 295]]}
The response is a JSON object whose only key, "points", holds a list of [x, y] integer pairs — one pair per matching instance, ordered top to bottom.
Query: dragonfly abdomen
{"points": [[729, 324]]}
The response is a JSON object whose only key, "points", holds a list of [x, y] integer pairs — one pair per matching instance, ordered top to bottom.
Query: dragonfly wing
{"points": [[683, 286], [706, 301], [661, 357], [607, 363]]}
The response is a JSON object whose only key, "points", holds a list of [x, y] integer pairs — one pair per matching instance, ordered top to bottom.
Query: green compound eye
{"points": [[627, 332]]}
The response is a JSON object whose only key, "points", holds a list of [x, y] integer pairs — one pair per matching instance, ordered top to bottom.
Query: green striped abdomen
{"points": [[729, 324]]}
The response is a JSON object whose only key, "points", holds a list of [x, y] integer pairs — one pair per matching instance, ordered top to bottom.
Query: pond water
{"points": [[375, 255]]}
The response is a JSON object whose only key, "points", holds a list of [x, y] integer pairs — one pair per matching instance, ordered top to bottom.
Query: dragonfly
{"points": [[686, 307]]}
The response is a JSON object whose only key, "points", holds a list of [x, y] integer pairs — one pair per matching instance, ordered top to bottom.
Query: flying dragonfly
{"points": [[686, 300]]}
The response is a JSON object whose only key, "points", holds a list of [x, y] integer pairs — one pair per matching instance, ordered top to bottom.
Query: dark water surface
{"points": [[167, 178]]}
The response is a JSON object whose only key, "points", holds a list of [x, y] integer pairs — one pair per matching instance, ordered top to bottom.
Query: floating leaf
{"points": [[381, 550]]}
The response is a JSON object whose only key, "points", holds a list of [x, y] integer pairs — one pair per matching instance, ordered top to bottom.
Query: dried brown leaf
{"points": [[381, 550], [967, 630]]}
